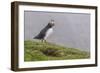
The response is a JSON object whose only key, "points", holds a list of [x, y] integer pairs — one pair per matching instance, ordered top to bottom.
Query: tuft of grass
{"points": [[39, 51]]}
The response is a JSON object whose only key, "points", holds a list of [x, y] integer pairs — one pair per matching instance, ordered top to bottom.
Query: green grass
{"points": [[39, 51]]}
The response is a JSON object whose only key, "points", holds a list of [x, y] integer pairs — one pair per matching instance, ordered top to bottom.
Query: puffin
{"points": [[46, 31]]}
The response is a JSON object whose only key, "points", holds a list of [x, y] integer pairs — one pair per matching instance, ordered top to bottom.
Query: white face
{"points": [[52, 21]]}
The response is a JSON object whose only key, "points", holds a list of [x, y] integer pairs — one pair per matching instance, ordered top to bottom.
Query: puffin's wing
{"points": [[41, 35]]}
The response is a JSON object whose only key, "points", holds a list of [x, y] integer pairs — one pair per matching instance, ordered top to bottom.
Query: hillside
{"points": [[39, 51]]}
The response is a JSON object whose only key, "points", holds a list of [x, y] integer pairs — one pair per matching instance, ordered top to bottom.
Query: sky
{"points": [[70, 30]]}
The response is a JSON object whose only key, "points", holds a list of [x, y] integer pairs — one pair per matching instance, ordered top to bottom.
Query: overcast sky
{"points": [[70, 30]]}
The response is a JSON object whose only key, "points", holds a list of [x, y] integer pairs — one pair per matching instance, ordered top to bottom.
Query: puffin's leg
{"points": [[42, 40], [45, 41]]}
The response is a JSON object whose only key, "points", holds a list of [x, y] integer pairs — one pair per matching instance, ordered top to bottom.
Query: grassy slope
{"points": [[38, 51]]}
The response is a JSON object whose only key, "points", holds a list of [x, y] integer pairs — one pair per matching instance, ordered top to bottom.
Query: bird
{"points": [[46, 31]]}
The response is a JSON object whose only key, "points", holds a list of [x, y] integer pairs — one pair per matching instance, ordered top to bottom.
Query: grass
{"points": [[39, 51]]}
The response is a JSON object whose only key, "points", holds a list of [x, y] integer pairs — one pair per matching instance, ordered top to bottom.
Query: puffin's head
{"points": [[51, 23]]}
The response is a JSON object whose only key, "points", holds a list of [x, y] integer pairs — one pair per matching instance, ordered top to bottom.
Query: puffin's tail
{"points": [[36, 37]]}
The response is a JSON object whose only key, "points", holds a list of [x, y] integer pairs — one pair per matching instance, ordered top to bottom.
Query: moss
{"points": [[39, 51]]}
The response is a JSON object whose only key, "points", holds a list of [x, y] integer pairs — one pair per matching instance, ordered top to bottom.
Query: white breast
{"points": [[49, 31]]}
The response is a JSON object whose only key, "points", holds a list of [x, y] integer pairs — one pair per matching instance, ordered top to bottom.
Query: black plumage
{"points": [[42, 33]]}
